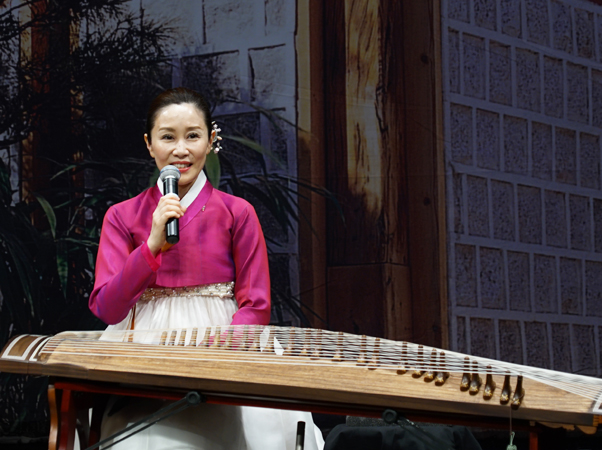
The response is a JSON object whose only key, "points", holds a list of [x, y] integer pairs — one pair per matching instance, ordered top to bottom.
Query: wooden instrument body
{"points": [[287, 379]]}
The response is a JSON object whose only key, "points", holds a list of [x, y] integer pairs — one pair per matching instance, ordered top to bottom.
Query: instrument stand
{"points": [[191, 399], [71, 400], [70, 403], [393, 417], [300, 438]]}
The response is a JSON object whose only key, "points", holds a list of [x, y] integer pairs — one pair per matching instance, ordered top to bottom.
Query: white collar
{"points": [[194, 191]]}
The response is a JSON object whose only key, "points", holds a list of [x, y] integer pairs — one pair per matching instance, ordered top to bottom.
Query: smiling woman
{"points": [[179, 136], [217, 274]]}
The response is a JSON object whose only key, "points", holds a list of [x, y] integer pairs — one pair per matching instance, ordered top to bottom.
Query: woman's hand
{"points": [[169, 207]]}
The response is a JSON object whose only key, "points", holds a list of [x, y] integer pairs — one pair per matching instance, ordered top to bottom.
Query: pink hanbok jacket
{"points": [[220, 241]]}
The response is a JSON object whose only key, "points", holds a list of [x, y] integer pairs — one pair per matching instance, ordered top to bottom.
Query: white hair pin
{"points": [[217, 145]]}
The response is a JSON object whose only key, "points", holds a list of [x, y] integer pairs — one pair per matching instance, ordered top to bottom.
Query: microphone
{"points": [[170, 176]]}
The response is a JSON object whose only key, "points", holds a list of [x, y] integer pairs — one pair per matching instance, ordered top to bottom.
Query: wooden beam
{"points": [[311, 160], [366, 169], [426, 181]]}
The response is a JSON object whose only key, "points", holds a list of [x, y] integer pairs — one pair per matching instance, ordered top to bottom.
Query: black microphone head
{"points": [[169, 172]]}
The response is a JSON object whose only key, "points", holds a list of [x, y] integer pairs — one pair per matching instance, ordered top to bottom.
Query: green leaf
{"points": [[213, 169], [64, 170], [154, 177], [49, 213], [83, 242], [91, 259], [62, 267], [24, 271]]}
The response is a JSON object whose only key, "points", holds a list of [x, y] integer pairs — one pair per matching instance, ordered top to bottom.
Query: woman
{"points": [[216, 275]]}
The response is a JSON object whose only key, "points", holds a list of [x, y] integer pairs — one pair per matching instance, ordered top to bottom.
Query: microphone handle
{"points": [[172, 229]]}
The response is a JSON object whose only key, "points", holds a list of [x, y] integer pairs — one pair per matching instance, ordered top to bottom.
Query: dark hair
{"points": [[176, 96]]}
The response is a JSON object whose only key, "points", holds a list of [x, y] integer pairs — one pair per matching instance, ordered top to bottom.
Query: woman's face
{"points": [[180, 137]]}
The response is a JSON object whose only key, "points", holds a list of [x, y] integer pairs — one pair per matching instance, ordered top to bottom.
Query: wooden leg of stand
{"points": [[100, 403], [54, 417], [67, 420], [83, 426], [533, 440]]}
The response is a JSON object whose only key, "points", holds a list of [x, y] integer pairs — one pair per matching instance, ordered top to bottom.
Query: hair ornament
{"points": [[217, 145]]}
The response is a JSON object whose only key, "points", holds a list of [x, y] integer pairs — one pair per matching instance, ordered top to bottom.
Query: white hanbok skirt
{"points": [[206, 426]]}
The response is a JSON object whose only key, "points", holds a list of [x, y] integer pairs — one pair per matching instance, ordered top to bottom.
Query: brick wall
{"points": [[523, 119]]}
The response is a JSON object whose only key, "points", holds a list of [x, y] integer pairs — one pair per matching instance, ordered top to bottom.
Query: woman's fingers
{"points": [[169, 207]]}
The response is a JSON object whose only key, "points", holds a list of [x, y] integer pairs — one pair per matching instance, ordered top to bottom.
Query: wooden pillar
{"points": [[34, 50], [45, 63], [311, 151], [426, 175], [379, 268], [368, 273]]}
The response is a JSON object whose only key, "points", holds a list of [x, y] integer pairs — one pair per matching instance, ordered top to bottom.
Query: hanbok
{"points": [[216, 275]]}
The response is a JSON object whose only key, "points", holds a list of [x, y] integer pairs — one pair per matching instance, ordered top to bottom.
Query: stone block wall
{"points": [[8, 83], [522, 83], [10, 157]]}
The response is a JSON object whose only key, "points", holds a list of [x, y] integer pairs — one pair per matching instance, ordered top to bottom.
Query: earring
{"points": [[217, 145]]}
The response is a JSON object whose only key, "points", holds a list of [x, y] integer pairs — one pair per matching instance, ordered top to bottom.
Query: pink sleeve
{"points": [[122, 271], [252, 284]]}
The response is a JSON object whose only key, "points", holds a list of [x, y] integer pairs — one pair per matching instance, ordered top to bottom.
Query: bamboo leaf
{"points": [[213, 169], [64, 170], [154, 177], [49, 213], [83, 242], [91, 259], [62, 267], [25, 272]]}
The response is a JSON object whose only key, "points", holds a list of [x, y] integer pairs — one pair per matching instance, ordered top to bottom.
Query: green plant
{"points": [[27, 300]]}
